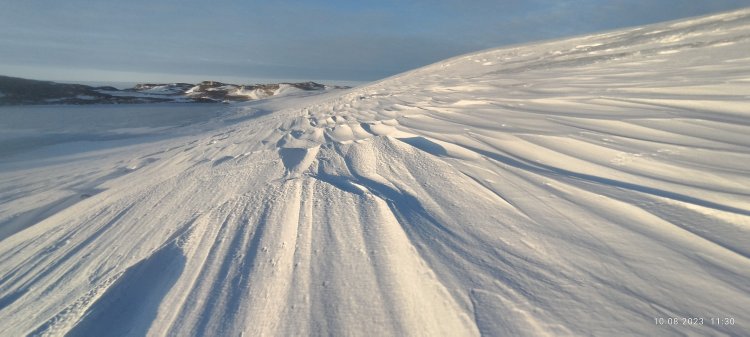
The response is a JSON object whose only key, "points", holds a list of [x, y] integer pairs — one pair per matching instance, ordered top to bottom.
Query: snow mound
{"points": [[286, 89], [258, 93], [586, 186]]}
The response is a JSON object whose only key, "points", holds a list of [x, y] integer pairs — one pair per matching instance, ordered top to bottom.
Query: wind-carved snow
{"points": [[578, 187]]}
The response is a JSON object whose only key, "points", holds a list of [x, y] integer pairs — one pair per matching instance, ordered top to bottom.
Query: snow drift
{"points": [[586, 186]]}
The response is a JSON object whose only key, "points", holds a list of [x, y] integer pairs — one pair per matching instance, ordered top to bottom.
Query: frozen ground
{"points": [[25, 128], [577, 187]]}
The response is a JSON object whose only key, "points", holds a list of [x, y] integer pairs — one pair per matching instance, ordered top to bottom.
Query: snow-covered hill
{"points": [[20, 91], [212, 91], [588, 186]]}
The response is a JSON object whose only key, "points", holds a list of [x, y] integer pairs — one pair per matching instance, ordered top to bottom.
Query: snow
{"points": [[194, 89], [286, 89], [162, 90], [251, 93], [260, 93], [27, 128], [537, 190]]}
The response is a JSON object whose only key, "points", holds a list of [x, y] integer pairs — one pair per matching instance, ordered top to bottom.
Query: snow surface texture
{"points": [[576, 187]]}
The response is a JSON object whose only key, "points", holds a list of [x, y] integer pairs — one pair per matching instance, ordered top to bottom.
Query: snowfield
{"points": [[586, 186]]}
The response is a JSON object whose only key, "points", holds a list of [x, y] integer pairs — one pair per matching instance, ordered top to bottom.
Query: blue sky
{"points": [[249, 41]]}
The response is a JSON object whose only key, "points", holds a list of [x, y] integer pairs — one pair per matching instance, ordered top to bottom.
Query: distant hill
{"points": [[20, 91]]}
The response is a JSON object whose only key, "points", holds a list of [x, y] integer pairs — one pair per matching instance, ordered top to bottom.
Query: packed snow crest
{"points": [[586, 186]]}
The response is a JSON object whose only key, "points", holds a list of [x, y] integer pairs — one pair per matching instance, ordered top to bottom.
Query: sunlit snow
{"points": [[585, 186]]}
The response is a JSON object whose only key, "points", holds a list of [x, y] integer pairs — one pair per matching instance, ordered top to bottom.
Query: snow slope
{"points": [[577, 187]]}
